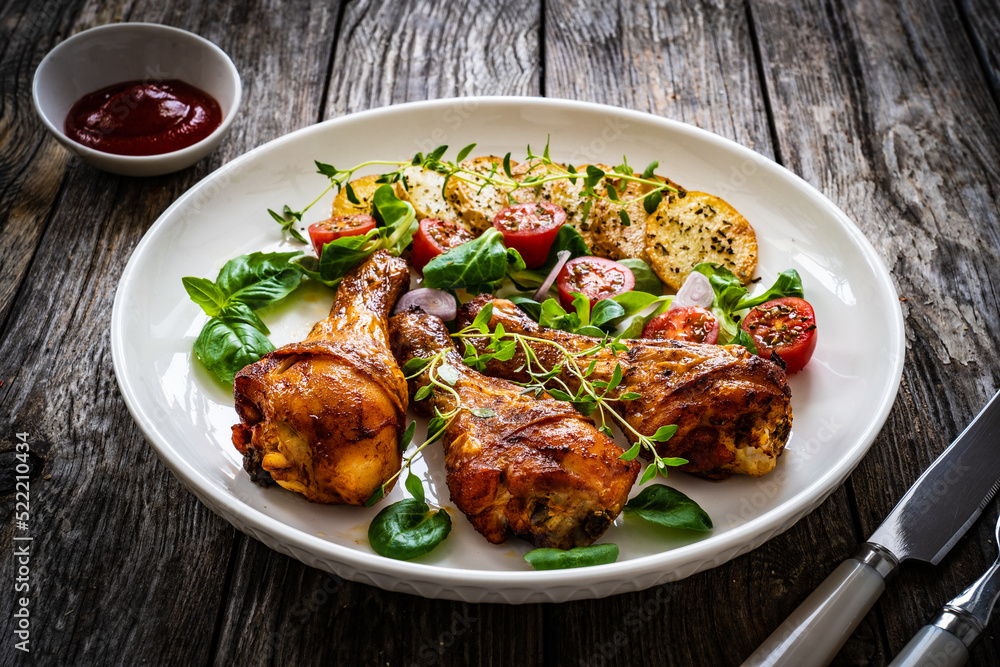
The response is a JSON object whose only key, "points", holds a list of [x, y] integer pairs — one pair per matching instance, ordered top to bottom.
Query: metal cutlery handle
{"points": [[815, 632], [946, 642]]}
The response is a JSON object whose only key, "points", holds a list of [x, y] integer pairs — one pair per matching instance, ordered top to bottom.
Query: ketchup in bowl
{"points": [[143, 118]]}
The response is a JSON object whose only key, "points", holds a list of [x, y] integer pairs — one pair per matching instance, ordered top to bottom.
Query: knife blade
{"points": [[925, 524]]}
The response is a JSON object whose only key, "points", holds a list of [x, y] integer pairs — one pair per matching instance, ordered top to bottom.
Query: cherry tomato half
{"points": [[530, 229], [321, 233], [435, 236], [595, 277], [693, 324], [786, 326]]}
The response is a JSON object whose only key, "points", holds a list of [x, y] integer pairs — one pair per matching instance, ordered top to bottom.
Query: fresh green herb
{"points": [[287, 220], [397, 225], [479, 265], [645, 279], [731, 299], [235, 335], [226, 345], [567, 380], [669, 507], [408, 529], [557, 559]]}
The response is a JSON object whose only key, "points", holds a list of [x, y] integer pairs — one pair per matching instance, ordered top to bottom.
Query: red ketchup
{"points": [[141, 118]]}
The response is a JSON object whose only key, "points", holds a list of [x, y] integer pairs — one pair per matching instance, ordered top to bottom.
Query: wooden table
{"points": [[892, 109]]}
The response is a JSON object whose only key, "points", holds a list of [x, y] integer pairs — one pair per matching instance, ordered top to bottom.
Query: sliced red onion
{"points": [[562, 258], [696, 291], [432, 301]]}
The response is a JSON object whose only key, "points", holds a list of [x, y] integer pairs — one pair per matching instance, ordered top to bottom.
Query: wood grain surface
{"points": [[888, 108]]}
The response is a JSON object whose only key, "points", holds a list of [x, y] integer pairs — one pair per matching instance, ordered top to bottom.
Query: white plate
{"points": [[840, 401]]}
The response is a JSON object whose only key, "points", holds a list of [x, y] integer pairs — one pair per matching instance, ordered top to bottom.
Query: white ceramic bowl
{"points": [[120, 52]]}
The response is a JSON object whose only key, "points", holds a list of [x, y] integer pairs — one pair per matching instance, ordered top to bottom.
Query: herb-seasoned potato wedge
{"points": [[422, 188], [364, 189], [478, 204], [692, 227], [613, 236]]}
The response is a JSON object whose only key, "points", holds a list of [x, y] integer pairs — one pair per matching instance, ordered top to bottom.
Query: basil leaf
{"points": [[398, 218], [341, 255], [474, 265], [309, 266], [259, 278], [645, 279], [788, 284], [727, 287], [206, 294], [532, 308], [605, 311], [240, 312], [226, 345], [669, 507], [407, 529], [557, 559]]}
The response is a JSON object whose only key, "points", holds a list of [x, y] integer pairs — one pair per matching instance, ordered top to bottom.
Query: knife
{"points": [[932, 516]]}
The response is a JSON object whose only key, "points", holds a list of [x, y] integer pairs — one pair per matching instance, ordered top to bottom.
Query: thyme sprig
{"points": [[339, 179], [443, 376], [591, 396]]}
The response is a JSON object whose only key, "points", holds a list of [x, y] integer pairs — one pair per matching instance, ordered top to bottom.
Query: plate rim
{"points": [[741, 539]]}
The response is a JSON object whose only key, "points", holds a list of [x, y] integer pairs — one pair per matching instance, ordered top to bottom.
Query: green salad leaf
{"points": [[477, 266], [235, 336], [666, 506], [408, 529], [558, 559]]}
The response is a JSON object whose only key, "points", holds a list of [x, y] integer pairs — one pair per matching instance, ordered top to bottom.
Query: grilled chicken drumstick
{"points": [[732, 408], [323, 417], [536, 468]]}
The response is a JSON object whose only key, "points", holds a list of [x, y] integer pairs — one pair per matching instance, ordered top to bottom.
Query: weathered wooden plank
{"points": [[982, 19], [405, 51], [390, 52], [694, 62], [884, 108], [127, 565]]}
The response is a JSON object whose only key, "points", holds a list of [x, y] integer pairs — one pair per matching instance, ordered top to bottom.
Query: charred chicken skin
{"points": [[732, 408], [323, 417], [535, 468]]}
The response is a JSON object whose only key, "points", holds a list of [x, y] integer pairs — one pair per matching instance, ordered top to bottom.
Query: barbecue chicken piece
{"points": [[732, 408], [323, 417], [535, 468]]}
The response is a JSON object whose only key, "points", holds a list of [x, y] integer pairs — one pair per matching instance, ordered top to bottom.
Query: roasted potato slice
{"points": [[422, 188], [364, 189], [564, 192], [478, 204], [692, 227], [612, 236]]}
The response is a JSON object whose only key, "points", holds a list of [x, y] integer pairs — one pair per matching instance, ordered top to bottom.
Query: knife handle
{"points": [[815, 632], [932, 646]]}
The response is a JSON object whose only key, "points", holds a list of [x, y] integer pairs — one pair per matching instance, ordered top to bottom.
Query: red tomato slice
{"points": [[530, 229], [321, 233], [435, 236], [595, 277], [693, 324], [785, 326]]}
